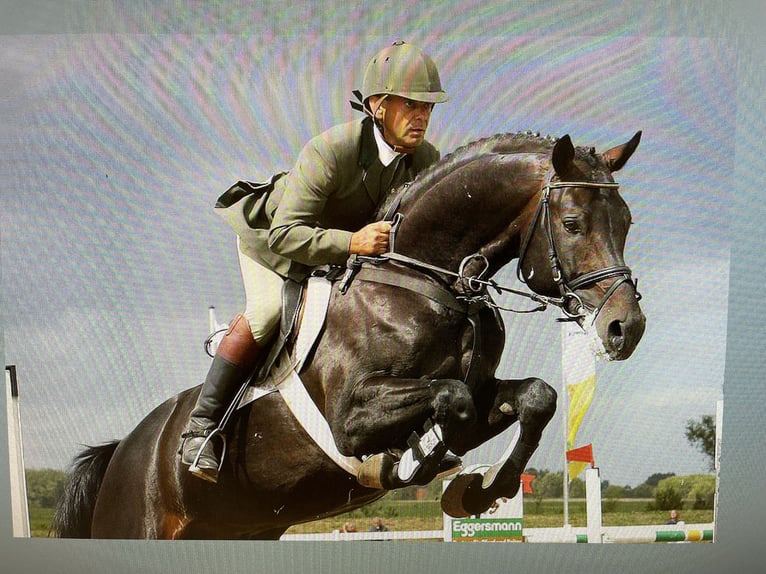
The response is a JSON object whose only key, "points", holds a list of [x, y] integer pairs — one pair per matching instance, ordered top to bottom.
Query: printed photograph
{"points": [[454, 272]]}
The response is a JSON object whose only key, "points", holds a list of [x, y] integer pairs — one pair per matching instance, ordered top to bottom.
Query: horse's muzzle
{"points": [[620, 335], [623, 336]]}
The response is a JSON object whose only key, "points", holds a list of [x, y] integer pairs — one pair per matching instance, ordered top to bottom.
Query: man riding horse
{"points": [[314, 215]]}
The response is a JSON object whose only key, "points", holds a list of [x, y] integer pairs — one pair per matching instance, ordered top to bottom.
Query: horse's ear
{"points": [[563, 154], [618, 156]]}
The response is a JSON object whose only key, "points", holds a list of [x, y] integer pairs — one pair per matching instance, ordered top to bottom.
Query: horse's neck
{"points": [[482, 211]]}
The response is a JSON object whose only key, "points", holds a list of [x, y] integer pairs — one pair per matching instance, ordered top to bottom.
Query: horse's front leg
{"points": [[532, 402], [401, 427]]}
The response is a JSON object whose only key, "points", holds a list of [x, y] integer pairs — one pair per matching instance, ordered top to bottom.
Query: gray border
{"points": [[743, 506]]}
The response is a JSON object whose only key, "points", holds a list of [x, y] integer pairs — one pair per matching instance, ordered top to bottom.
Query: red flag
{"points": [[582, 454], [526, 483]]}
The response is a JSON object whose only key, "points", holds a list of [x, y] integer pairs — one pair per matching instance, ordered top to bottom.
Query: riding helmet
{"points": [[403, 70]]}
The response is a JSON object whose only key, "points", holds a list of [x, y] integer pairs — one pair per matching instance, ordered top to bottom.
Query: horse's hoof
{"points": [[448, 466], [452, 497], [465, 497]]}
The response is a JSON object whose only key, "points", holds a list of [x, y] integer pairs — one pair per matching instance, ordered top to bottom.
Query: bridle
{"points": [[473, 288], [573, 306]]}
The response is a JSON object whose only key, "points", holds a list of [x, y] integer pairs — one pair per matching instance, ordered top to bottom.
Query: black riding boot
{"points": [[202, 448]]}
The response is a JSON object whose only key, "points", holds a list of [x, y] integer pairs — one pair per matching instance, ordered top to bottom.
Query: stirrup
{"points": [[450, 464], [194, 467], [373, 469]]}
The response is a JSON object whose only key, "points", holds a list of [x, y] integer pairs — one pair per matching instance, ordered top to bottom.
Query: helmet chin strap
{"points": [[364, 107]]}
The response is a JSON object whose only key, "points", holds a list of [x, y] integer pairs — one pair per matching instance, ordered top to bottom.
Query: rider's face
{"points": [[404, 121]]}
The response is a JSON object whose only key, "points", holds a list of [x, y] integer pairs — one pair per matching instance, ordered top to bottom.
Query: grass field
{"points": [[426, 515], [40, 521]]}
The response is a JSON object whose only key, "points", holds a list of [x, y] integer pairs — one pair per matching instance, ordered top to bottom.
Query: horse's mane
{"points": [[502, 143]]}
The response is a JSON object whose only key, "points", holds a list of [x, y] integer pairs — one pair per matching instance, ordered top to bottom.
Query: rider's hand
{"points": [[371, 239]]}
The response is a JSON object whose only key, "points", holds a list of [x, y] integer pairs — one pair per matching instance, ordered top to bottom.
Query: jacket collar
{"points": [[368, 148]]}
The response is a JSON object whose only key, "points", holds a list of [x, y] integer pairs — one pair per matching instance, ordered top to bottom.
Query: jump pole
{"points": [[19, 506]]}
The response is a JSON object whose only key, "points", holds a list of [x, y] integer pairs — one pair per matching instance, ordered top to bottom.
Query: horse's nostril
{"points": [[616, 336]]}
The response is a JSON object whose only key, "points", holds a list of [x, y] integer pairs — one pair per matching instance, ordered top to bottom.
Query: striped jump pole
{"points": [[644, 534]]}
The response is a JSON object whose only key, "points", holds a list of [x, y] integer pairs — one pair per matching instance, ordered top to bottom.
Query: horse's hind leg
{"points": [[533, 403], [382, 413]]}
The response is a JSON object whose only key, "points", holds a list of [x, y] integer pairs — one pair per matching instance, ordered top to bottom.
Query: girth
{"points": [[387, 272]]}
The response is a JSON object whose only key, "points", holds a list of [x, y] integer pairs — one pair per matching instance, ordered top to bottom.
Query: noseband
{"points": [[573, 306]]}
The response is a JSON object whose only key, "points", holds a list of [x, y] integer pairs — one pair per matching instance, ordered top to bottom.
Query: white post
{"points": [[211, 319], [565, 346], [717, 460], [593, 503], [19, 505], [446, 518]]}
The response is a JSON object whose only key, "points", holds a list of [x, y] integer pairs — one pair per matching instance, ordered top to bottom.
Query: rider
{"points": [[315, 215]]}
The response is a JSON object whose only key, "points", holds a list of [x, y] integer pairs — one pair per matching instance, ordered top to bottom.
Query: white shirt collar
{"points": [[386, 154]]}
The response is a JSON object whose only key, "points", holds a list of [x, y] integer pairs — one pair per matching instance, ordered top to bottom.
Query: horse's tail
{"points": [[74, 510]]}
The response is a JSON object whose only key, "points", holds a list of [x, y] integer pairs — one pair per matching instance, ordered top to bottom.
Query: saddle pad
{"points": [[315, 305], [284, 377], [285, 380], [313, 422]]}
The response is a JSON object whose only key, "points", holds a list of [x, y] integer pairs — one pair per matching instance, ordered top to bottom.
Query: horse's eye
{"points": [[572, 226]]}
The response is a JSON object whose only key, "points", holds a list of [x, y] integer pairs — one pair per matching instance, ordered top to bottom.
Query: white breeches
{"points": [[263, 292]]}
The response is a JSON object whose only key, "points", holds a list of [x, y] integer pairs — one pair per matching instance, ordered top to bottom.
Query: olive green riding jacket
{"points": [[305, 218]]}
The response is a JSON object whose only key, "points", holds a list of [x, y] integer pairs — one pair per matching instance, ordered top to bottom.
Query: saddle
{"points": [[303, 316], [298, 329]]}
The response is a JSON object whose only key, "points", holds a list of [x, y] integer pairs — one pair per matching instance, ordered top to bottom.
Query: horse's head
{"points": [[574, 246]]}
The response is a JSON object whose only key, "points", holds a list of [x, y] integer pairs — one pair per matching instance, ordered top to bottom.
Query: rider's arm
{"points": [[295, 232]]}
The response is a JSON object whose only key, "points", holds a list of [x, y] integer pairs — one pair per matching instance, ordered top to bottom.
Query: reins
{"points": [[475, 287]]}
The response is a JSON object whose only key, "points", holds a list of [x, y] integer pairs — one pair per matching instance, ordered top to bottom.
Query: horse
{"points": [[423, 355]]}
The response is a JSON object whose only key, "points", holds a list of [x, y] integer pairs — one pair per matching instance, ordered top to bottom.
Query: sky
{"points": [[116, 145]]}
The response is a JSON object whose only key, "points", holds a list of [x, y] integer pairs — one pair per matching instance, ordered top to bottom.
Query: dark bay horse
{"points": [[424, 347]]}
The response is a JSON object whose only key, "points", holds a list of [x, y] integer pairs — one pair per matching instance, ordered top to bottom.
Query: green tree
{"points": [[701, 435], [655, 479], [547, 485], [551, 485], [44, 487], [577, 488], [644, 490], [614, 491], [673, 491], [611, 495], [666, 497]]}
